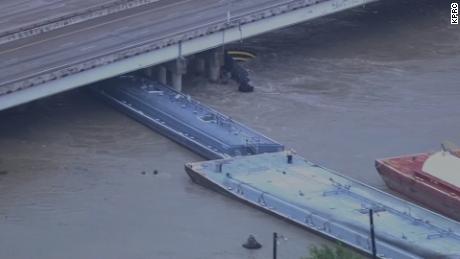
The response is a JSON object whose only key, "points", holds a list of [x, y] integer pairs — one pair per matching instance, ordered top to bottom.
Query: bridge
{"points": [[47, 47]]}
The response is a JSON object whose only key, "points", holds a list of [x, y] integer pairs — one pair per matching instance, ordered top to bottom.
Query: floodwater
{"points": [[76, 177]]}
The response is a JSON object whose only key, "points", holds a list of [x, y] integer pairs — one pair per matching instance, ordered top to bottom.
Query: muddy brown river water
{"points": [[76, 177]]}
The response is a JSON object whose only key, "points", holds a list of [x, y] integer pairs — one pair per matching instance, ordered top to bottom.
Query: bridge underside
{"points": [[68, 57]]}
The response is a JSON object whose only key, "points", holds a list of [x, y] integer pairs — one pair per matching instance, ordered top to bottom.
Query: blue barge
{"points": [[182, 119], [255, 169], [326, 202]]}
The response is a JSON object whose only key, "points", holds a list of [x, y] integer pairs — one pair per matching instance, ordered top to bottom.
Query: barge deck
{"points": [[177, 116], [324, 201]]}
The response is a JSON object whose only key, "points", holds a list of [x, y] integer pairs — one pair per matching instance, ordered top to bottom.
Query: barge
{"points": [[177, 116], [256, 170], [433, 180], [335, 206]]}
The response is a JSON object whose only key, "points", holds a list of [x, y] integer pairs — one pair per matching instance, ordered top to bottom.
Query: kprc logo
{"points": [[454, 13]]}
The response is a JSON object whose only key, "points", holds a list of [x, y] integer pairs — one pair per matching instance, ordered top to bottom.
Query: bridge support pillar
{"points": [[215, 62], [200, 65], [177, 69], [148, 71], [161, 74], [176, 81]]}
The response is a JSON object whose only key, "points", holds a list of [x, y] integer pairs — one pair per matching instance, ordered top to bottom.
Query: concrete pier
{"points": [[215, 61], [199, 65], [177, 68], [148, 71], [161, 74], [176, 81]]}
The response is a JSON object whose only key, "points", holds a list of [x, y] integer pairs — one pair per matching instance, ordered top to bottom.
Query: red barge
{"points": [[432, 179]]}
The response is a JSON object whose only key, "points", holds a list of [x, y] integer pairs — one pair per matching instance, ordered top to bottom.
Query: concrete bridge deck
{"points": [[149, 33]]}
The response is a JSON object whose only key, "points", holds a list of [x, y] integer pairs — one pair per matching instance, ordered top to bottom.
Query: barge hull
{"points": [[404, 175]]}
